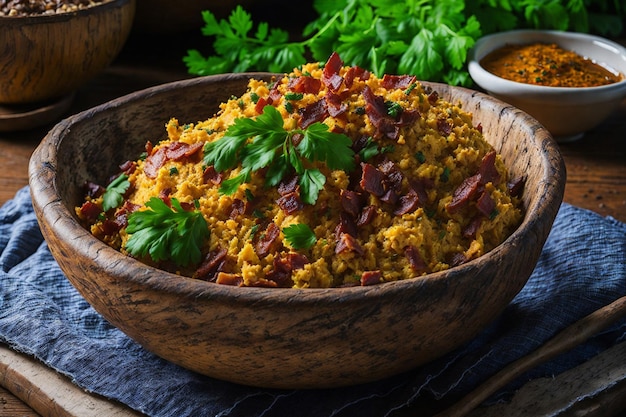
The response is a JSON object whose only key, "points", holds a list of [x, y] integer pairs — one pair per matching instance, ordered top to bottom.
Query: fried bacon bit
{"points": [[353, 73], [330, 75], [391, 82], [305, 84], [275, 93], [433, 96], [261, 103], [335, 105], [376, 110], [314, 112], [444, 127], [479, 127], [149, 147], [175, 151], [128, 167], [488, 171], [392, 173], [210, 175], [372, 180], [289, 186], [420, 186], [516, 186], [92, 189], [464, 193], [164, 195], [350, 202], [290, 203], [407, 203], [485, 204], [237, 208], [90, 211], [367, 215], [346, 225], [112, 226], [471, 229], [267, 240], [347, 243], [456, 259], [415, 260], [211, 265], [283, 268], [226, 278], [371, 278]]}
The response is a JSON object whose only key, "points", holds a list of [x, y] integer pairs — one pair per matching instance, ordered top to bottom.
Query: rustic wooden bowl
{"points": [[45, 57], [284, 338]]}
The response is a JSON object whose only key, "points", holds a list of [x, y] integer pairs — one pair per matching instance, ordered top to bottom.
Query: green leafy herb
{"points": [[427, 38], [264, 142], [114, 193], [165, 233], [299, 236]]}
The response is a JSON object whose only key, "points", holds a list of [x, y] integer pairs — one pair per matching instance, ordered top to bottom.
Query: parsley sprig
{"points": [[426, 38], [263, 142], [114, 194], [165, 233], [299, 236]]}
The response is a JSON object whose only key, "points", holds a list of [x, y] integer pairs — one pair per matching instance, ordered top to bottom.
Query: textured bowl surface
{"points": [[47, 56], [565, 111], [285, 338]]}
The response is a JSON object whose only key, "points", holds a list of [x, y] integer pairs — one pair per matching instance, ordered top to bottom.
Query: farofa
{"points": [[464, 203]]}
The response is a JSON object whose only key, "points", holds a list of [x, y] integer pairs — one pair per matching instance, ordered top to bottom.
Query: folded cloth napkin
{"points": [[582, 268]]}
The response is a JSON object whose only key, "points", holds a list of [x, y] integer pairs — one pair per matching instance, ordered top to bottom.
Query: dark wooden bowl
{"points": [[44, 57], [284, 338]]}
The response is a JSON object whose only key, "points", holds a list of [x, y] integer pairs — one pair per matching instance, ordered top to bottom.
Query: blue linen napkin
{"points": [[582, 267]]}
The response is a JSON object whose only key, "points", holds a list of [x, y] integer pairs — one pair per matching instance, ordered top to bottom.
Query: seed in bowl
{"points": [[547, 65], [325, 177]]}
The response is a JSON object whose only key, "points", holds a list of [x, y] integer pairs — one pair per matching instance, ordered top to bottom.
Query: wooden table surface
{"points": [[596, 164]]}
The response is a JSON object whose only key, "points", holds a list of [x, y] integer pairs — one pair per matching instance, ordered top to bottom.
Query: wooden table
{"points": [[596, 164]]}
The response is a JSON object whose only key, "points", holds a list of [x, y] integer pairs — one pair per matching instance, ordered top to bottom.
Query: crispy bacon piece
{"points": [[353, 73], [330, 75], [391, 82], [305, 84], [275, 93], [433, 96], [261, 103], [335, 105], [314, 112], [386, 124], [444, 127], [175, 151], [128, 167], [488, 171], [393, 175], [212, 176], [372, 180], [288, 186], [420, 186], [516, 186], [92, 189], [464, 193], [350, 202], [290, 203], [407, 203], [485, 204], [237, 208], [90, 211], [366, 216], [346, 225], [471, 229], [267, 240], [347, 243], [456, 259], [415, 260], [212, 264], [283, 268], [226, 278], [371, 278]]}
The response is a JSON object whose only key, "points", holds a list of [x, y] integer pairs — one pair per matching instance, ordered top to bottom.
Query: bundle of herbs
{"points": [[426, 38]]}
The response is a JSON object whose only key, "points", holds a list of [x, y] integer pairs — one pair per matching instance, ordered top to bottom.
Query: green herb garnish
{"points": [[264, 142], [114, 194], [166, 233], [299, 236]]}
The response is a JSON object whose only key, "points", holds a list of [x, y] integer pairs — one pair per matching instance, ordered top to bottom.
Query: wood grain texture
{"points": [[48, 56], [284, 338]]}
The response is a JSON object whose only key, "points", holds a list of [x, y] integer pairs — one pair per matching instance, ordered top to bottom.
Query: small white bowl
{"points": [[567, 112]]}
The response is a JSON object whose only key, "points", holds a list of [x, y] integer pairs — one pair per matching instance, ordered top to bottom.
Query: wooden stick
{"points": [[567, 339]]}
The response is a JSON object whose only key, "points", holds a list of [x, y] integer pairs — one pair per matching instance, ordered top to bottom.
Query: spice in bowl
{"points": [[23, 8], [547, 65]]}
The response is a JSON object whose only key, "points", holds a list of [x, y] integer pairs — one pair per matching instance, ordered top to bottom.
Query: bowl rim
{"points": [[37, 19], [477, 70], [44, 195]]}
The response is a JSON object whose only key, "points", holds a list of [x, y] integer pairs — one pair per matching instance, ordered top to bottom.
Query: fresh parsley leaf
{"points": [[264, 142], [114, 194], [165, 233], [299, 236]]}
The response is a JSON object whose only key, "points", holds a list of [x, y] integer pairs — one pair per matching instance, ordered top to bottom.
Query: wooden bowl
{"points": [[44, 57], [283, 338]]}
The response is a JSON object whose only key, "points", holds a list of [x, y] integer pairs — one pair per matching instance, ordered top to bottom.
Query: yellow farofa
{"points": [[446, 160]]}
